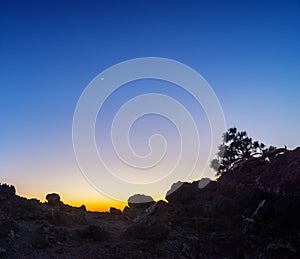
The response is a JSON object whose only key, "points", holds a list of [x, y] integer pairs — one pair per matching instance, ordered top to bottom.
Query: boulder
{"points": [[203, 182], [174, 188], [182, 193], [185, 193], [53, 199], [140, 201]]}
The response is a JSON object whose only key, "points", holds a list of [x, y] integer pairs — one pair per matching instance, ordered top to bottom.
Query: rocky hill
{"points": [[252, 211]]}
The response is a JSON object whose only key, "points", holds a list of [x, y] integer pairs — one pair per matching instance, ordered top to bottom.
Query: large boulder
{"points": [[282, 176], [278, 177], [203, 182], [181, 193], [185, 193], [53, 199], [140, 201]]}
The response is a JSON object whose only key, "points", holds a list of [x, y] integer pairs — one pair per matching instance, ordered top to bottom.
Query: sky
{"points": [[248, 52]]}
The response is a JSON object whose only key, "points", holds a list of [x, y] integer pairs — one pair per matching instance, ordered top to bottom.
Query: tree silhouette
{"points": [[236, 146]]}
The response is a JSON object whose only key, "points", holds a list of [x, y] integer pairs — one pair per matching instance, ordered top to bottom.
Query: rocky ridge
{"points": [[252, 211]]}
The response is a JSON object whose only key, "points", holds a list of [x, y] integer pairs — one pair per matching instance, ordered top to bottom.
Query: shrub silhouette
{"points": [[236, 146]]}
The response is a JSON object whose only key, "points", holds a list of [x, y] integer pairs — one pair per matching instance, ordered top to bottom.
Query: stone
{"points": [[53, 199], [140, 201]]}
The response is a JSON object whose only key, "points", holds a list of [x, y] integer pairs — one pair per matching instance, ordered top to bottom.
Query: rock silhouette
{"points": [[6, 191], [53, 199], [140, 201], [252, 211]]}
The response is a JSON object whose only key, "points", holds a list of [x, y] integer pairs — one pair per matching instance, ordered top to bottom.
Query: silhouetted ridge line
{"points": [[252, 211]]}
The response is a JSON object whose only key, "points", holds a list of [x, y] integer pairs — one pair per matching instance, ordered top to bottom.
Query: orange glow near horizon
{"points": [[71, 186], [92, 200], [98, 205]]}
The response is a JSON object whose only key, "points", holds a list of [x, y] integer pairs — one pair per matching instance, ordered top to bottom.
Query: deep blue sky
{"points": [[50, 50]]}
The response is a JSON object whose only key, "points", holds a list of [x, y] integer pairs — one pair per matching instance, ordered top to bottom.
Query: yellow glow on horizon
{"points": [[71, 186], [92, 200], [102, 204], [99, 205]]}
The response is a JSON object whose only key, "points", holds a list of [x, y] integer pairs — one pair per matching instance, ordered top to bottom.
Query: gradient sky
{"points": [[248, 51]]}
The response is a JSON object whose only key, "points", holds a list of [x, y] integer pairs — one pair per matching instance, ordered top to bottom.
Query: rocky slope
{"points": [[253, 211]]}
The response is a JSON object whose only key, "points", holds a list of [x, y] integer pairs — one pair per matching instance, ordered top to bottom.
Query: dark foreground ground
{"points": [[250, 212]]}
